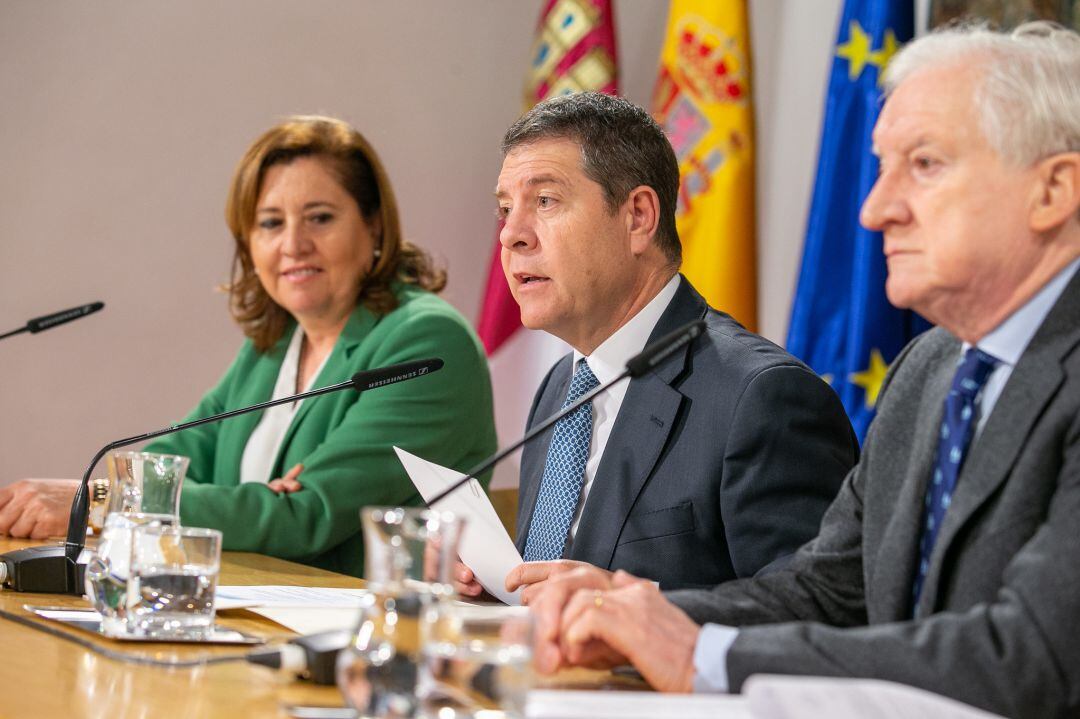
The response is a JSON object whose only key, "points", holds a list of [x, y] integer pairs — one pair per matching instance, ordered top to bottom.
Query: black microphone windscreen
{"points": [[58, 318], [663, 348], [370, 379]]}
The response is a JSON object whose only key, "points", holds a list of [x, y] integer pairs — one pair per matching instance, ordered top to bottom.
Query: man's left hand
{"points": [[634, 621]]}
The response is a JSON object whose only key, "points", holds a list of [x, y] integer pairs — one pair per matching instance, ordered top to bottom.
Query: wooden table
{"points": [[45, 676]]}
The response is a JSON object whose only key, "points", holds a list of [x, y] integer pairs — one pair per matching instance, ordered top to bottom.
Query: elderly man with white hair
{"points": [[951, 558]]}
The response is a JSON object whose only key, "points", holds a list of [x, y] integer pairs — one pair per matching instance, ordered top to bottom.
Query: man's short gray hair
{"points": [[1028, 97]]}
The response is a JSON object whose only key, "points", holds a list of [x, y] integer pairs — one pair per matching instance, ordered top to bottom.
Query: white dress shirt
{"points": [[1007, 343], [607, 362], [262, 446]]}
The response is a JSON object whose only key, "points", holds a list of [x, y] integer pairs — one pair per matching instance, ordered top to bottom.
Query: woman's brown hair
{"points": [[361, 174]]}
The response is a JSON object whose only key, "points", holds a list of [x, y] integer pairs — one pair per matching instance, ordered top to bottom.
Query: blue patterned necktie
{"points": [[957, 429], [564, 473]]}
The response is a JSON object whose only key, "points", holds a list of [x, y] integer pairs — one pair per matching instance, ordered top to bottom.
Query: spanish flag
{"points": [[702, 99]]}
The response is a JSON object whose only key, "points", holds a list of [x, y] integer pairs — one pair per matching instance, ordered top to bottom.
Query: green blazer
{"points": [[344, 440]]}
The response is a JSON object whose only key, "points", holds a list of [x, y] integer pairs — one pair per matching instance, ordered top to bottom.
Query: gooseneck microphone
{"points": [[47, 322], [645, 361], [55, 568], [313, 656]]}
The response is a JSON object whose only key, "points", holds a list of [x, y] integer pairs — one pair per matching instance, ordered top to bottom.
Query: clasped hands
{"points": [[589, 617]]}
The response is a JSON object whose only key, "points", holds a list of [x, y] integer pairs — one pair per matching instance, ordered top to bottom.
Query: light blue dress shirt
{"points": [[1007, 343]]}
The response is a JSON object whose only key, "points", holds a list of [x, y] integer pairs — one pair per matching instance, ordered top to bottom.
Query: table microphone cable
{"points": [[120, 656]]}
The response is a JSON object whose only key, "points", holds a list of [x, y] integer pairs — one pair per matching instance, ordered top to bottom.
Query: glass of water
{"points": [[144, 489], [408, 556], [109, 569], [174, 572], [477, 660]]}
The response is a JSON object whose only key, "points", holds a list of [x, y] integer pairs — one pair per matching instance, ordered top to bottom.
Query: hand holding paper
{"points": [[485, 546]]}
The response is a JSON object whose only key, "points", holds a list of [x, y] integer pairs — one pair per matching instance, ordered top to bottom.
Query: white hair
{"points": [[1028, 95]]}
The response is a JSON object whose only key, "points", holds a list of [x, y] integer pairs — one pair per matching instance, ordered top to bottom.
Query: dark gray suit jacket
{"points": [[720, 462], [1002, 598]]}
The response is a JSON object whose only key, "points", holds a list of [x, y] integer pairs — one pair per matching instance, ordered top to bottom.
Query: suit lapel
{"points": [[360, 323], [1032, 385], [641, 430], [893, 574]]}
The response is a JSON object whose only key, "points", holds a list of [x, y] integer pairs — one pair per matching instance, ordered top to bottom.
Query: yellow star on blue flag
{"points": [[856, 50], [859, 51], [842, 325], [871, 378]]}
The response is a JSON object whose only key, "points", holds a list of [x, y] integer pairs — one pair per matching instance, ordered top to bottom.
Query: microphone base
{"points": [[44, 569]]}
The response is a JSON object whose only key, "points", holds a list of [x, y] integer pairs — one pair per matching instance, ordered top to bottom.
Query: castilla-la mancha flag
{"points": [[574, 51], [702, 99]]}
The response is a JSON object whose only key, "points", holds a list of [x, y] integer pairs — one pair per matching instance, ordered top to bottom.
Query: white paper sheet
{"points": [[485, 546], [281, 595], [67, 615], [305, 620], [764, 697], [781, 697], [558, 704]]}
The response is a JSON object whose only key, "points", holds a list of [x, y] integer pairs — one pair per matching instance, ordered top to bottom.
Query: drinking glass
{"points": [[145, 482], [144, 489], [409, 553], [109, 569], [174, 572], [476, 661]]}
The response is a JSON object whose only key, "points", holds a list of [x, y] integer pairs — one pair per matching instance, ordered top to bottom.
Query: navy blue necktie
{"points": [[957, 429], [564, 473]]}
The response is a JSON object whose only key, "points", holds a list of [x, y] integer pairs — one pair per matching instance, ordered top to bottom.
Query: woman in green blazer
{"points": [[324, 286]]}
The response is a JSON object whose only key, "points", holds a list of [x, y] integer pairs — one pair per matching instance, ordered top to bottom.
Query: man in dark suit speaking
{"points": [[715, 465], [951, 558]]}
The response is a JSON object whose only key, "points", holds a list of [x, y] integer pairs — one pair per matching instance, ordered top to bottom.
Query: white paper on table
{"points": [[485, 546], [281, 595], [67, 615], [306, 620], [764, 697], [784, 697], [557, 704]]}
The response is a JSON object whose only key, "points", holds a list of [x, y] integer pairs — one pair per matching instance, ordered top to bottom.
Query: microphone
{"points": [[46, 322], [652, 356], [643, 362], [371, 379], [55, 568], [313, 656]]}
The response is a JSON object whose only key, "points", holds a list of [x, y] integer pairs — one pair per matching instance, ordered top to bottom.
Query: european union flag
{"points": [[841, 323]]}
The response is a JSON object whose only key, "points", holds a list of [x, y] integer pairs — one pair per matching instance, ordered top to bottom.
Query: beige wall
{"points": [[120, 123]]}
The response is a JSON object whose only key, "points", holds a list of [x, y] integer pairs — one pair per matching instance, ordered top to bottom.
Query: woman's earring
{"points": [[377, 253]]}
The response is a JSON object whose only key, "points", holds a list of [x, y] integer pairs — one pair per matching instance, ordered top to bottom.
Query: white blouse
{"points": [[263, 444]]}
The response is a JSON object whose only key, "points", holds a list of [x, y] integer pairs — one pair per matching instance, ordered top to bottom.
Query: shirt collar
{"points": [[1008, 340], [609, 359]]}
